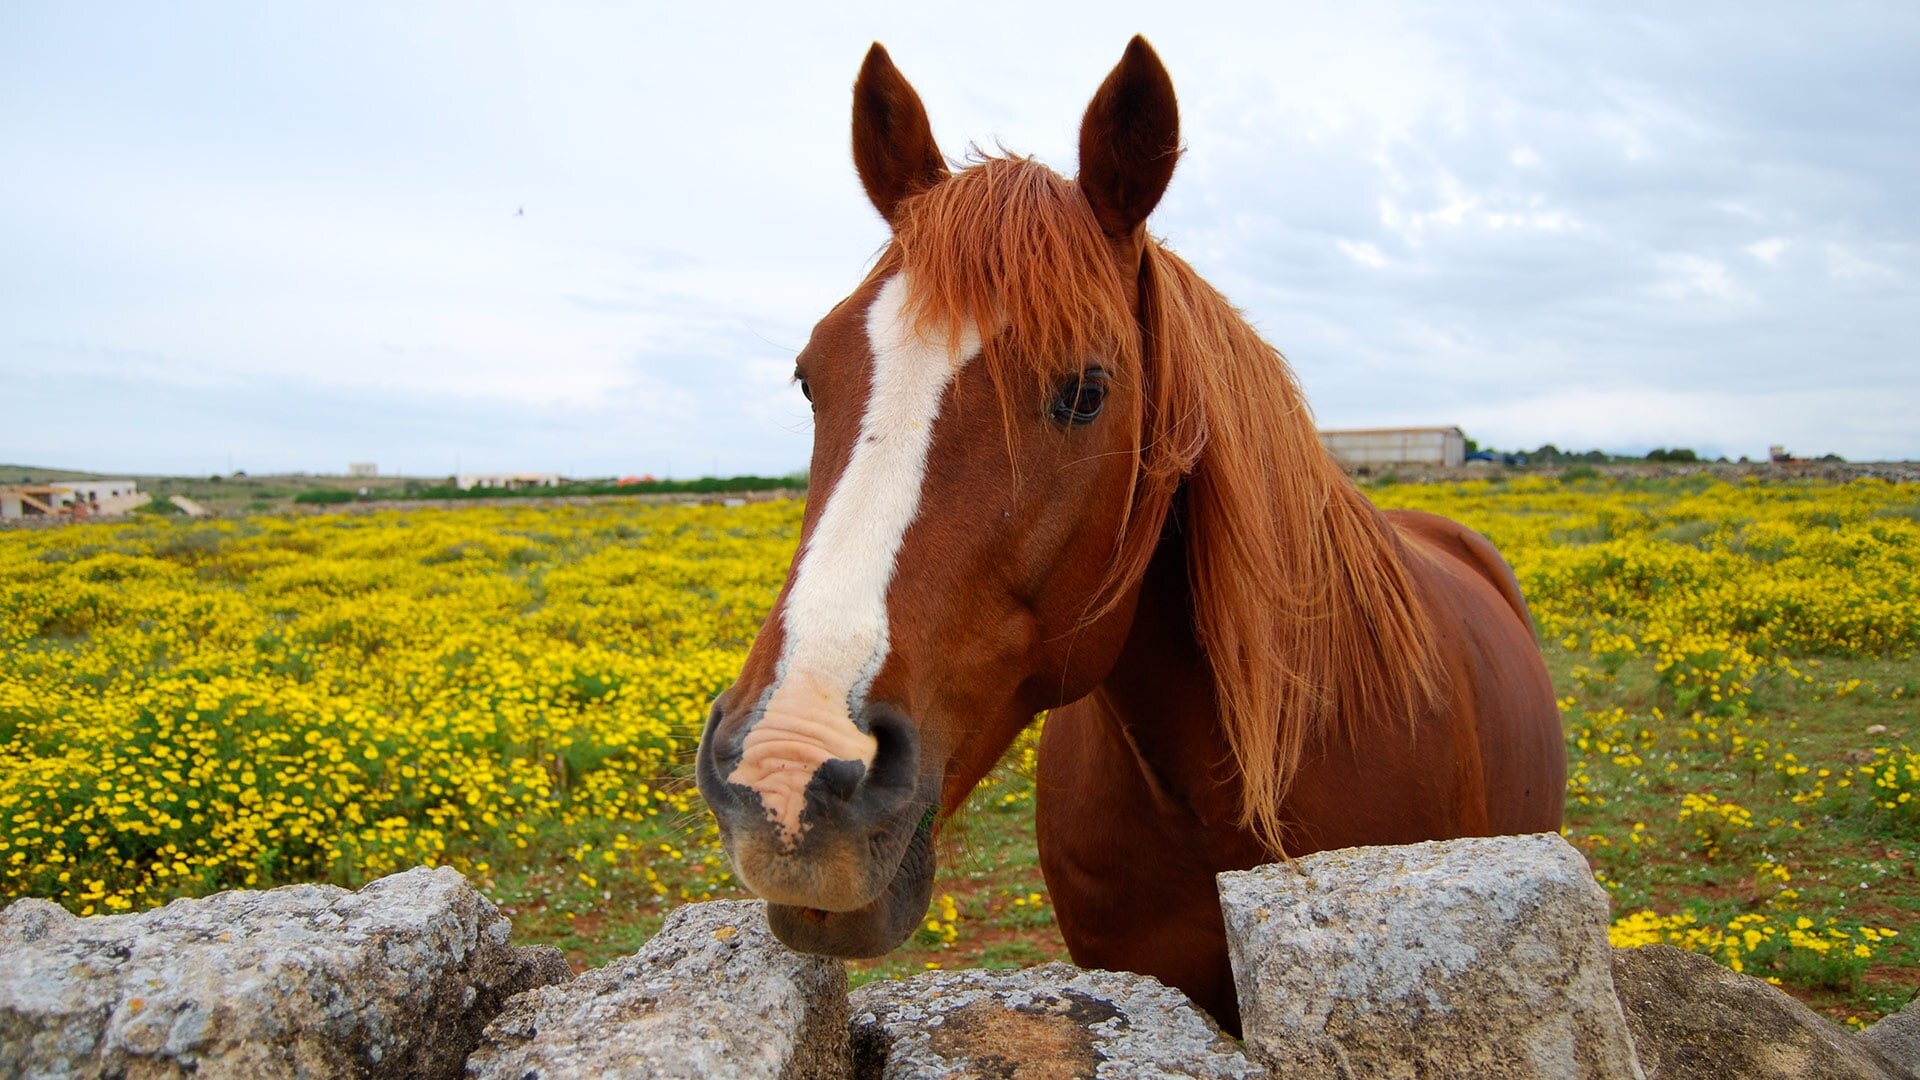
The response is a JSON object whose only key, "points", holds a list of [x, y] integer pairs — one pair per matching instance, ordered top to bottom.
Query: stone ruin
{"points": [[1472, 958]]}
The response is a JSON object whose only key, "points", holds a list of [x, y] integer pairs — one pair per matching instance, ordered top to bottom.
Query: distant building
{"points": [[1372, 448], [363, 470], [508, 481], [95, 492], [70, 499], [27, 500]]}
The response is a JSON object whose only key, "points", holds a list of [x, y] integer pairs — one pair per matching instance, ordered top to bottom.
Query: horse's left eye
{"points": [[1079, 399]]}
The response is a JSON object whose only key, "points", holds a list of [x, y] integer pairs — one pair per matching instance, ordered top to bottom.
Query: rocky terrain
{"points": [[1481, 957]]}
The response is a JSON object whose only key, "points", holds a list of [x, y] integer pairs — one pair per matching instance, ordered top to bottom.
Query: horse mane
{"points": [[1302, 600]]}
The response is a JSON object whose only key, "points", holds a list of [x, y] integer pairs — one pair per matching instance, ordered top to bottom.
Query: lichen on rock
{"points": [[1483, 957], [397, 979], [712, 994], [1055, 1021]]}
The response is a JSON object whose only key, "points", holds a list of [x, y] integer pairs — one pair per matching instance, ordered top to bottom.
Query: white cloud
{"points": [[1456, 207], [1552, 221], [1769, 250], [1363, 253], [1845, 263], [1693, 277]]}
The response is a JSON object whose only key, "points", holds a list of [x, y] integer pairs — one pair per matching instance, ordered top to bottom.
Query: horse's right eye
{"points": [[806, 389], [1079, 399]]}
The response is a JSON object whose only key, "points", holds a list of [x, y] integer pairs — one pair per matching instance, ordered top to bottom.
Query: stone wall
{"points": [[1482, 958]]}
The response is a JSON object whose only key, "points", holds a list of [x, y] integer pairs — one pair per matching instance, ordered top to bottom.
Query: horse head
{"points": [[979, 509]]}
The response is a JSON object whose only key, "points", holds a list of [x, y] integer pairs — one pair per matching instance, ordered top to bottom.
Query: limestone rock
{"points": [[1482, 957], [311, 980], [713, 994], [1692, 1017], [1042, 1023], [1897, 1038]]}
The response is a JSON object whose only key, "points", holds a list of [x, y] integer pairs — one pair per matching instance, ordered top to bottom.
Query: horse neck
{"points": [[1160, 695]]}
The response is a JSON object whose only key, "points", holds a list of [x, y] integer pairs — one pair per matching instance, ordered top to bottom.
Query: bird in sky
{"points": [[521, 212]]}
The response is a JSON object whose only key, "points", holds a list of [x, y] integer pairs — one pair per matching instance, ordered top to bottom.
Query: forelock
{"points": [[1010, 243]]}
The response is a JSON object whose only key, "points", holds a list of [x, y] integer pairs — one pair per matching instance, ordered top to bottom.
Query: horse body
{"points": [[1054, 469], [1139, 807]]}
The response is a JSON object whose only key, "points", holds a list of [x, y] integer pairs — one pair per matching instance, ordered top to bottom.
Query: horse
{"points": [[1054, 469]]}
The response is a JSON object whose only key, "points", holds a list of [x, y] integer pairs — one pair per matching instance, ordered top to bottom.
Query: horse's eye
{"points": [[806, 389], [1079, 399]]}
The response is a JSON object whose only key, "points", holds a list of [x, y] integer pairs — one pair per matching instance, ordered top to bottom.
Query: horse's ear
{"points": [[1129, 141], [892, 142]]}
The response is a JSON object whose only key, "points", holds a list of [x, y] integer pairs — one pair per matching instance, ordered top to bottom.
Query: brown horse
{"points": [[1054, 469]]}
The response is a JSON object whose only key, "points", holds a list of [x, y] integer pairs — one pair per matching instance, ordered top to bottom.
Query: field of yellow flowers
{"points": [[516, 690]]}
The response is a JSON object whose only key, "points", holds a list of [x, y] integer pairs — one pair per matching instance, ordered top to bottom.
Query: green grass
{"points": [[1846, 861]]}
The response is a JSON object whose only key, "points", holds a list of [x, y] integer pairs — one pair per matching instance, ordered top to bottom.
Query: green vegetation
{"points": [[1679, 454]]}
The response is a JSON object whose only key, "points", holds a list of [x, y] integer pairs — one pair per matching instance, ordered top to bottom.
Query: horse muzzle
{"points": [[848, 869]]}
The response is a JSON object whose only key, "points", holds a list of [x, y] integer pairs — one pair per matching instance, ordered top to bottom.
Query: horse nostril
{"points": [[724, 753], [896, 758], [715, 759], [840, 778]]}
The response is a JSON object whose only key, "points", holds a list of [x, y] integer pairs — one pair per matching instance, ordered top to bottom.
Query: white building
{"points": [[1372, 448], [363, 470], [507, 481], [95, 492]]}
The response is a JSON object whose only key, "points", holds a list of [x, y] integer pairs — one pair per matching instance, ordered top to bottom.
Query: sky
{"points": [[590, 238]]}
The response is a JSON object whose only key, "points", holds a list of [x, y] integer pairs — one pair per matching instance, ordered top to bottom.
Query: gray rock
{"points": [[1483, 957], [311, 980], [713, 994], [1692, 1017], [1047, 1022], [1897, 1038]]}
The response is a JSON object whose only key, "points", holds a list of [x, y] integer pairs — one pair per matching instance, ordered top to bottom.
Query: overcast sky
{"points": [[269, 237]]}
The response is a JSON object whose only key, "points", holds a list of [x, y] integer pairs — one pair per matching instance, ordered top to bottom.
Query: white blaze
{"points": [[835, 619]]}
